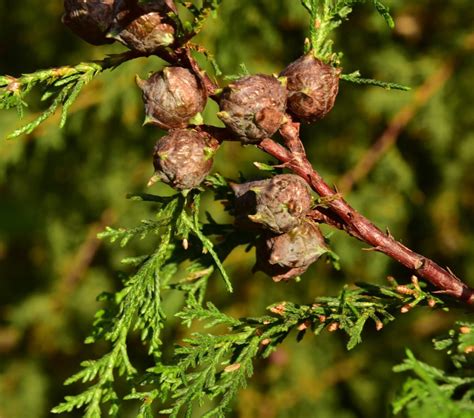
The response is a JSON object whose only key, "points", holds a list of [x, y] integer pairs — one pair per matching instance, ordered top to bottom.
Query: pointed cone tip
{"points": [[112, 34], [283, 80], [140, 82], [197, 119], [149, 120], [154, 179], [234, 186], [255, 218]]}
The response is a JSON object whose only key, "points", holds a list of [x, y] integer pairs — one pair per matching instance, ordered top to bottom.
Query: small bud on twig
{"points": [[391, 280], [404, 290], [406, 308], [278, 309], [304, 326], [333, 326], [465, 330], [232, 368]]}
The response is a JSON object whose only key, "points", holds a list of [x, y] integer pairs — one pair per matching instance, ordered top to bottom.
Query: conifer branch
{"points": [[200, 15], [326, 16], [357, 79], [61, 86], [357, 225], [214, 366], [431, 390]]}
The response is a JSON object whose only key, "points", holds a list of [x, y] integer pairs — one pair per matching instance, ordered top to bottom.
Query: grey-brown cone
{"points": [[90, 19], [144, 27], [312, 88], [172, 97], [253, 107], [183, 158], [277, 204], [288, 255]]}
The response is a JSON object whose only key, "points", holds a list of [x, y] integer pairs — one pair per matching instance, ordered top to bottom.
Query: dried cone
{"points": [[90, 19], [146, 27], [312, 88], [172, 97], [253, 107], [183, 158], [277, 204], [289, 255]]}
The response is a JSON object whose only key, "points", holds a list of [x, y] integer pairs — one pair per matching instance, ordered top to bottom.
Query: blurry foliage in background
{"points": [[59, 188]]}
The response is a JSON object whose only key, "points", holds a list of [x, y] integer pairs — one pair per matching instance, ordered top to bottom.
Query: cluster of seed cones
{"points": [[252, 108], [277, 208]]}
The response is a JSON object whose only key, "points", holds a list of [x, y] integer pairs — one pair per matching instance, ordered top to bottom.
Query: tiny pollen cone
{"points": [[154, 179], [333, 327], [464, 330]]}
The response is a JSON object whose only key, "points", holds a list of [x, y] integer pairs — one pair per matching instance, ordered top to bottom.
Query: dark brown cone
{"points": [[90, 19], [144, 28], [312, 88], [172, 97], [253, 107], [183, 158], [277, 204], [288, 255]]}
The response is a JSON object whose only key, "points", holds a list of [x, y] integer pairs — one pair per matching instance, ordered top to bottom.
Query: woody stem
{"points": [[340, 214]]}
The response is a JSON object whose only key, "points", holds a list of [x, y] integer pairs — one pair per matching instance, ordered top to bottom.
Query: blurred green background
{"points": [[58, 188]]}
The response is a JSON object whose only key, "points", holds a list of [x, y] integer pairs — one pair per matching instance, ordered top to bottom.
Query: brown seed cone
{"points": [[90, 19], [144, 28], [312, 88], [172, 97], [253, 107], [183, 158], [277, 204], [288, 255]]}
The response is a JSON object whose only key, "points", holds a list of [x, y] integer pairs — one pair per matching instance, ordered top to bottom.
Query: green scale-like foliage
{"points": [[207, 366], [432, 391]]}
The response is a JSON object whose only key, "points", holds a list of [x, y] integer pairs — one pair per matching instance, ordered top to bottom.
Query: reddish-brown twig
{"points": [[340, 214]]}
